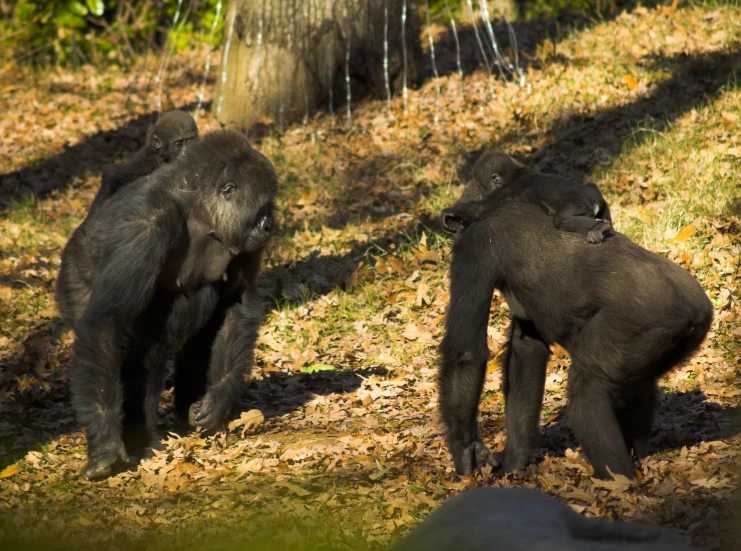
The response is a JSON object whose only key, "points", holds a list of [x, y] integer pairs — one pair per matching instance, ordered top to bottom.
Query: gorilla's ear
{"points": [[156, 143]]}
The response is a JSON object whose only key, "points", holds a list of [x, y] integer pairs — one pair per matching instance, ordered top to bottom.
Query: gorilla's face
{"points": [[173, 134], [493, 170], [241, 203]]}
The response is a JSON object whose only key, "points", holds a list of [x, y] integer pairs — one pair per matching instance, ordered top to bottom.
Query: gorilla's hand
{"points": [[452, 220], [598, 233], [209, 411]]}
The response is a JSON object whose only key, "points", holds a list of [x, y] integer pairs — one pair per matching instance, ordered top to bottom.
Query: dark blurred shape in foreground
{"points": [[520, 519]]}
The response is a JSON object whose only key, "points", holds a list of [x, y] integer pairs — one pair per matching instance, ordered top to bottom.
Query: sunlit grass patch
{"points": [[355, 286]]}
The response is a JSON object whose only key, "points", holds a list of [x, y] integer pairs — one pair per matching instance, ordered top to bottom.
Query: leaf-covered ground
{"points": [[646, 105]]}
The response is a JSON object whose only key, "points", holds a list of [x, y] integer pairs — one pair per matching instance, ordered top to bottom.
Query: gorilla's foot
{"points": [[598, 233], [154, 446], [475, 456], [516, 460], [102, 465]]}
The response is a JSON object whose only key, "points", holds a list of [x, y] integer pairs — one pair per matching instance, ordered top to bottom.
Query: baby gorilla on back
{"points": [[170, 137], [500, 178]]}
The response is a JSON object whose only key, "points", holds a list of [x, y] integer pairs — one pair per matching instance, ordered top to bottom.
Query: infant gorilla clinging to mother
{"points": [[500, 178]]}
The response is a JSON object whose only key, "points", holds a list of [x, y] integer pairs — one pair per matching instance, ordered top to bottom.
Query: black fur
{"points": [[170, 137], [574, 207], [167, 268], [625, 315]]}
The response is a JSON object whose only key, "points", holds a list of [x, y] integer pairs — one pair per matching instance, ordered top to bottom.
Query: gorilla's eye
{"points": [[177, 144], [496, 180], [228, 190]]}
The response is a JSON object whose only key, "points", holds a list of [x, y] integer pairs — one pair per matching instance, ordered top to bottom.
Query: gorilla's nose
{"points": [[266, 224]]}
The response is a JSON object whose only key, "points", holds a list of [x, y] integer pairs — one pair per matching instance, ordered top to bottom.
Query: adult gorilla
{"points": [[167, 265], [625, 315]]}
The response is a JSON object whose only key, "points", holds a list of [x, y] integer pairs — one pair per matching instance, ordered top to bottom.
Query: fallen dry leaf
{"points": [[631, 81], [687, 232], [247, 420], [10, 470]]}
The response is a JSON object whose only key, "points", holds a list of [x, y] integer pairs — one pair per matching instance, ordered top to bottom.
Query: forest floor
{"points": [[347, 450]]}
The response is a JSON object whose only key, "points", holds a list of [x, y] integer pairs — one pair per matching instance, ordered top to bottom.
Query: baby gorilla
{"points": [[173, 133], [574, 207]]}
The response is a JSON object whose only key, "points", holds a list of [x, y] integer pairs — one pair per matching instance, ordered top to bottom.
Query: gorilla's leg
{"points": [[575, 213], [656, 352], [464, 355], [231, 356], [155, 364], [191, 367], [142, 374], [133, 378], [524, 382], [596, 385], [97, 396], [636, 419], [595, 425]]}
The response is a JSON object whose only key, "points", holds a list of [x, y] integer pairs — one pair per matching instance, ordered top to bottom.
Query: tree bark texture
{"points": [[284, 59]]}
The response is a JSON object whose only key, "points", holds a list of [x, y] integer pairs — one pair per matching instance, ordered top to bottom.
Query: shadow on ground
{"points": [[578, 145], [94, 152], [88, 156], [683, 419], [30, 420]]}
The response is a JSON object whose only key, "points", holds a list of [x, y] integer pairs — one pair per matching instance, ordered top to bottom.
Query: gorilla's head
{"points": [[172, 135], [494, 169], [237, 186]]}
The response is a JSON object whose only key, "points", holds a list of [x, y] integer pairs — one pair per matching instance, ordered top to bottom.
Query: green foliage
{"points": [[439, 10], [75, 31], [79, 31], [316, 368]]}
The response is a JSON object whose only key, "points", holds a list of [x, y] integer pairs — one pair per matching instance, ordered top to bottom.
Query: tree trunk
{"points": [[284, 59]]}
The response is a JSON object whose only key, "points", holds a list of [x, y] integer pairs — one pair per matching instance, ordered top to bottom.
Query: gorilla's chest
{"points": [[199, 258]]}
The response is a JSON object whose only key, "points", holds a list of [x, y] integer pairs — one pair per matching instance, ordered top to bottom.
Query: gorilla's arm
{"points": [[115, 176], [466, 212], [576, 213], [138, 249], [238, 318], [465, 353], [231, 356]]}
